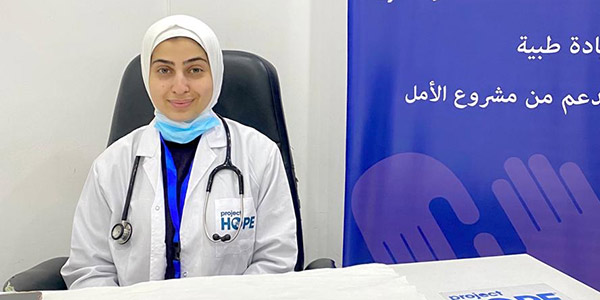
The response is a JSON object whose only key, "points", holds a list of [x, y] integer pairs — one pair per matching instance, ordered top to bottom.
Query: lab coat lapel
{"points": [[149, 148], [205, 156]]}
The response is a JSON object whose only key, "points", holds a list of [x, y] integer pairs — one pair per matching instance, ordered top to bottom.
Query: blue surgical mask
{"points": [[184, 132]]}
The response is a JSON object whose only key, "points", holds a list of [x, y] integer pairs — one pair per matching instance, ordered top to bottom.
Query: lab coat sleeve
{"points": [[275, 247], [90, 262]]}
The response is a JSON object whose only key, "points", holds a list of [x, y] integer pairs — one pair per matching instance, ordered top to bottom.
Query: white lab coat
{"points": [[267, 244]]}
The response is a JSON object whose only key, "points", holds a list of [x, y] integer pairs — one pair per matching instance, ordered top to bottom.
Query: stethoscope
{"points": [[122, 231]]}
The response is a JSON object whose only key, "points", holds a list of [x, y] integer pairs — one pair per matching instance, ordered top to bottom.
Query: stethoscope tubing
{"points": [[136, 163], [226, 165], [216, 238]]}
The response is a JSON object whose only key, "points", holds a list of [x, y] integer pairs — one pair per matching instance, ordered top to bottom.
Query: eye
{"points": [[163, 70], [196, 70]]}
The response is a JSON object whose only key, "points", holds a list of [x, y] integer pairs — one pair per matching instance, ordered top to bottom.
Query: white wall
{"points": [[62, 63], [60, 73], [326, 148]]}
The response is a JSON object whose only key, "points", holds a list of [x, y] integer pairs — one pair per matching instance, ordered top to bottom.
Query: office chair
{"points": [[250, 95]]}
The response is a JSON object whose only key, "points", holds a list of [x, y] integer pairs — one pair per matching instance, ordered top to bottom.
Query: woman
{"points": [[175, 232]]}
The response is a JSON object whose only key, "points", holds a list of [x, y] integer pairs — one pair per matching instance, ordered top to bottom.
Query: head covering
{"points": [[189, 27]]}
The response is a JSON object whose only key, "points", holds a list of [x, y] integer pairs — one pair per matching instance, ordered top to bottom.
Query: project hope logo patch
{"points": [[228, 215], [230, 220], [524, 292]]}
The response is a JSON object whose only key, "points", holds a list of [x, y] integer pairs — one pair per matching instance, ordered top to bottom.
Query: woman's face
{"points": [[180, 79]]}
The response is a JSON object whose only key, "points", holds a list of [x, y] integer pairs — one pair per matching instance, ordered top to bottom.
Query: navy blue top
{"points": [[183, 156]]}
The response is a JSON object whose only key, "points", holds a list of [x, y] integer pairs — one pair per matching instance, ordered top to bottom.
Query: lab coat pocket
{"points": [[228, 218]]}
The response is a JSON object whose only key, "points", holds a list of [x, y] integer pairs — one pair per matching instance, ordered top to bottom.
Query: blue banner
{"points": [[473, 130]]}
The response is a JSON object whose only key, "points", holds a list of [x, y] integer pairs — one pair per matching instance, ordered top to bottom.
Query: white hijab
{"points": [[190, 27]]}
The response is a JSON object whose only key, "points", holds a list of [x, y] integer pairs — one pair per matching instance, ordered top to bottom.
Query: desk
{"points": [[431, 278], [358, 282], [364, 282]]}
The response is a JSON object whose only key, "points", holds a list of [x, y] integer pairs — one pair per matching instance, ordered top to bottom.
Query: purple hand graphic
{"points": [[390, 203], [557, 228]]}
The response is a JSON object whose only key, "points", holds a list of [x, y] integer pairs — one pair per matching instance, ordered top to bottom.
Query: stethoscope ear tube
{"points": [[226, 165], [222, 167], [226, 238]]}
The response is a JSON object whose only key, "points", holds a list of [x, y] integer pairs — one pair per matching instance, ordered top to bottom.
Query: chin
{"points": [[183, 117]]}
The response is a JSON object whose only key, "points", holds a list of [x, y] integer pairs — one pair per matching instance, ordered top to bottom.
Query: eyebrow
{"points": [[195, 59], [168, 62]]}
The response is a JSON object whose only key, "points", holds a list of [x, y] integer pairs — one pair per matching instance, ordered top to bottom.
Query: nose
{"points": [[180, 84]]}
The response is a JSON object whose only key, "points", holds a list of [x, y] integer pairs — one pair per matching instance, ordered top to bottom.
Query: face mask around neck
{"points": [[184, 132]]}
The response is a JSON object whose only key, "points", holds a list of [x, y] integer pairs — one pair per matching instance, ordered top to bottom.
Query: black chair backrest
{"points": [[250, 95]]}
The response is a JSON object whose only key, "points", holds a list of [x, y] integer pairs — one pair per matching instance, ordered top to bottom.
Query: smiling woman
{"points": [[181, 83], [159, 223]]}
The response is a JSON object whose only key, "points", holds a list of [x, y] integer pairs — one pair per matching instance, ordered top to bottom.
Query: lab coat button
{"points": [[157, 208], [184, 274]]}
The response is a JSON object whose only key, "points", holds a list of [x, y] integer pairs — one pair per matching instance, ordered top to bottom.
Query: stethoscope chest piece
{"points": [[121, 232]]}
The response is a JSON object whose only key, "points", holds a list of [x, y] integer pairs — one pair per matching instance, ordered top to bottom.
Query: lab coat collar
{"points": [[216, 137], [149, 142], [149, 147], [205, 154]]}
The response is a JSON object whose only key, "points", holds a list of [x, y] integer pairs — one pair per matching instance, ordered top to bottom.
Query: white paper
{"points": [[372, 281]]}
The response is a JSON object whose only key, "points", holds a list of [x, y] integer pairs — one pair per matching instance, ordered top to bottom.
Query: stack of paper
{"points": [[373, 281]]}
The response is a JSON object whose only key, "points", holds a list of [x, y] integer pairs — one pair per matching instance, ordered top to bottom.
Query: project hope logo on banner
{"points": [[473, 130], [523, 292]]}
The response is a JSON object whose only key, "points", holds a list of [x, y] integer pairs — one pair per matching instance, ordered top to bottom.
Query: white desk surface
{"points": [[432, 278], [359, 282], [364, 282]]}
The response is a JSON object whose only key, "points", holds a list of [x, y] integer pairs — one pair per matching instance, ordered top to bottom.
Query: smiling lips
{"points": [[180, 103]]}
